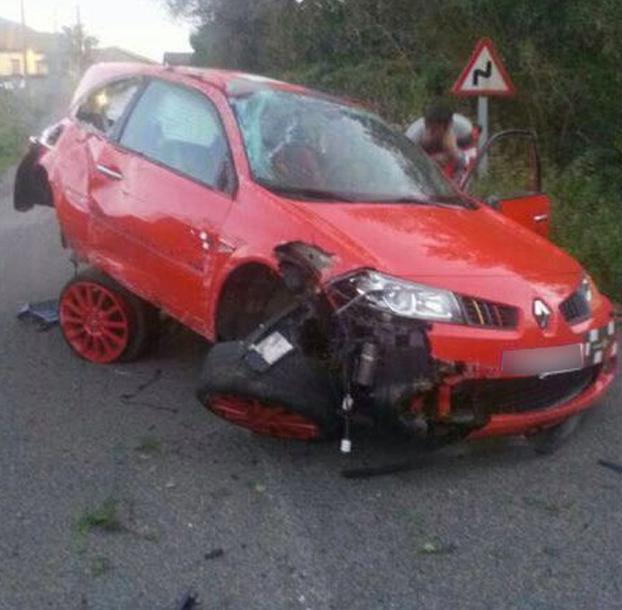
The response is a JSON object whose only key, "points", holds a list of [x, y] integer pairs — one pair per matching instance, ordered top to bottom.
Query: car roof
{"points": [[231, 82]]}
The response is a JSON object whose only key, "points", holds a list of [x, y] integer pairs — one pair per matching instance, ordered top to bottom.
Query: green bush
{"points": [[390, 87], [13, 129], [587, 219]]}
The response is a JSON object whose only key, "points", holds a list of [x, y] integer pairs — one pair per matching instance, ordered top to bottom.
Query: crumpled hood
{"points": [[447, 243]]}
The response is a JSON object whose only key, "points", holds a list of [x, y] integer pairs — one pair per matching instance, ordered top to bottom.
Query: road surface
{"points": [[195, 504]]}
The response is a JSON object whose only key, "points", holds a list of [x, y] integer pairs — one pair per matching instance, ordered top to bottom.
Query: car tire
{"points": [[103, 322], [294, 398]]}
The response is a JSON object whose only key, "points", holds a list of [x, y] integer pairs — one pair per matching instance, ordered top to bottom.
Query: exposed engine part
{"points": [[327, 359], [367, 364], [346, 411]]}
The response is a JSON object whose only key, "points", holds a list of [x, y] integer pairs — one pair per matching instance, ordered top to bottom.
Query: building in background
{"points": [[23, 51], [178, 59]]}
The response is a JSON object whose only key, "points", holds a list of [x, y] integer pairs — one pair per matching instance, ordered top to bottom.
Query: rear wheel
{"points": [[103, 322]]}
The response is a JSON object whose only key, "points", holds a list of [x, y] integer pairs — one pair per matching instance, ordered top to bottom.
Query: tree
{"points": [[78, 49]]}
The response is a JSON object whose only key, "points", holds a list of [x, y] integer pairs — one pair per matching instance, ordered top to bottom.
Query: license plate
{"points": [[543, 360]]}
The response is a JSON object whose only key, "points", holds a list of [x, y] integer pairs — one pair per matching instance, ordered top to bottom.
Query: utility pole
{"points": [[79, 40], [24, 44]]}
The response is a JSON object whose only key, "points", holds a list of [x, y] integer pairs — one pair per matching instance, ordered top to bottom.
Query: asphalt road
{"points": [[487, 526]]}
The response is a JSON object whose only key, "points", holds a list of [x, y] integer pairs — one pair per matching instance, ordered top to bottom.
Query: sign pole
{"points": [[482, 119]]}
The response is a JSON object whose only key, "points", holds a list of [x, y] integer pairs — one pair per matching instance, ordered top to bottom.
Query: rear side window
{"points": [[104, 107], [181, 129]]}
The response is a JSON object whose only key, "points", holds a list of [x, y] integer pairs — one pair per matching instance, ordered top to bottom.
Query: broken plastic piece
{"points": [[45, 313], [611, 465], [215, 554], [187, 602]]}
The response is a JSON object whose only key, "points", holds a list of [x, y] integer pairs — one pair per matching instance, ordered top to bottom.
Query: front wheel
{"points": [[102, 322], [293, 399]]}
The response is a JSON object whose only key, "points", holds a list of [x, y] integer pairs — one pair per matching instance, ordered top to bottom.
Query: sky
{"points": [[141, 26]]}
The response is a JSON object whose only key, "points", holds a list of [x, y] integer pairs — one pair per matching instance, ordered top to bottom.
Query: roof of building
{"points": [[11, 35], [118, 54], [178, 59]]}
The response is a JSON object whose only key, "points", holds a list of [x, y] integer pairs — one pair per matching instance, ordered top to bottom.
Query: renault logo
{"points": [[541, 313]]}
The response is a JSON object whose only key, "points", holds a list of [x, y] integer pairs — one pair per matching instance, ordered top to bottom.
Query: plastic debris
{"points": [[44, 313], [611, 465], [215, 554], [187, 602]]}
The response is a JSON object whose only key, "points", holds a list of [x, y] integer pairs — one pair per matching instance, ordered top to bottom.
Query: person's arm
{"points": [[450, 145]]}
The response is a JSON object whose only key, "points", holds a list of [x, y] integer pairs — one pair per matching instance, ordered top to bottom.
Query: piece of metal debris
{"points": [[44, 313], [143, 386], [611, 465], [215, 554], [187, 602]]}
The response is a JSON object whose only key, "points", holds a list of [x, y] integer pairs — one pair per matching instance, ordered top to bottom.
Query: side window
{"points": [[104, 107], [181, 129]]}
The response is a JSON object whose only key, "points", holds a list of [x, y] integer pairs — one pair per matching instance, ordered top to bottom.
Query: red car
{"points": [[340, 274]]}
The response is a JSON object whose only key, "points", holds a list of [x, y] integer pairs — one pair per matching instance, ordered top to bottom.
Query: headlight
{"points": [[585, 289], [588, 289], [408, 299]]}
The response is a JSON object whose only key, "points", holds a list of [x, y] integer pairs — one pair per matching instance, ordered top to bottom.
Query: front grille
{"points": [[575, 308], [479, 312], [520, 394]]}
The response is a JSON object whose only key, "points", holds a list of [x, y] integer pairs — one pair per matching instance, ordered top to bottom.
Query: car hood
{"points": [[419, 242]]}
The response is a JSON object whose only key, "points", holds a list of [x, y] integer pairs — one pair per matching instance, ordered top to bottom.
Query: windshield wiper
{"points": [[306, 193], [413, 200], [451, 200]]}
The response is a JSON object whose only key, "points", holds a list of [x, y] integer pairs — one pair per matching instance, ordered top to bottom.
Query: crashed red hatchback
{"points": [[338, 273]]}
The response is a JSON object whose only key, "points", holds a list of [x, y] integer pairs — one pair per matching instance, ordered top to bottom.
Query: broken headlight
{"points": [[408, 299]]}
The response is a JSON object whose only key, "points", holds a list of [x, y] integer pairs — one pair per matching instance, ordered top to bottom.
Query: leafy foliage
{"points": [[78, 48], [563, 57], [13, 129]]}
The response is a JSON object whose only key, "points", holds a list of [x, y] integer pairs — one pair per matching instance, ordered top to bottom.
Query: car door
{"points": [[91, 124], [506, 175], [163, 190]]}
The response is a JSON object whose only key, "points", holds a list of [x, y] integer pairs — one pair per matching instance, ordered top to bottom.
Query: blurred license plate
{"points": [[544, 360]]}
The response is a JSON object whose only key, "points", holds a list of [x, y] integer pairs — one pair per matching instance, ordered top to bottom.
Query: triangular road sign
{"points": [[484, 73]]}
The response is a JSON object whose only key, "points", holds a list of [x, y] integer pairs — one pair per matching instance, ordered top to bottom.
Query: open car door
{"points": [[506, 175]]}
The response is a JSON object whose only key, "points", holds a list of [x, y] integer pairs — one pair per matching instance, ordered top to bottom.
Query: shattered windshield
{"points": [[312, 148]]}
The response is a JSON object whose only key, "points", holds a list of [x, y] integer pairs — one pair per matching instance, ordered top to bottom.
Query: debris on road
{"points": [[43, 313], [143, 386], [611, 465], [429, 548], [215, 554], [187, 602]]}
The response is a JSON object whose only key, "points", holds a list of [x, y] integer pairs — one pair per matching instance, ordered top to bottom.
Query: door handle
{"points": [[109, 172], [540, 217]]}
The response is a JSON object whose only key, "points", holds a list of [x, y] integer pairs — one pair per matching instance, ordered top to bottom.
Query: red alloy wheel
{"points": [[94, 321], [264, 418]]}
